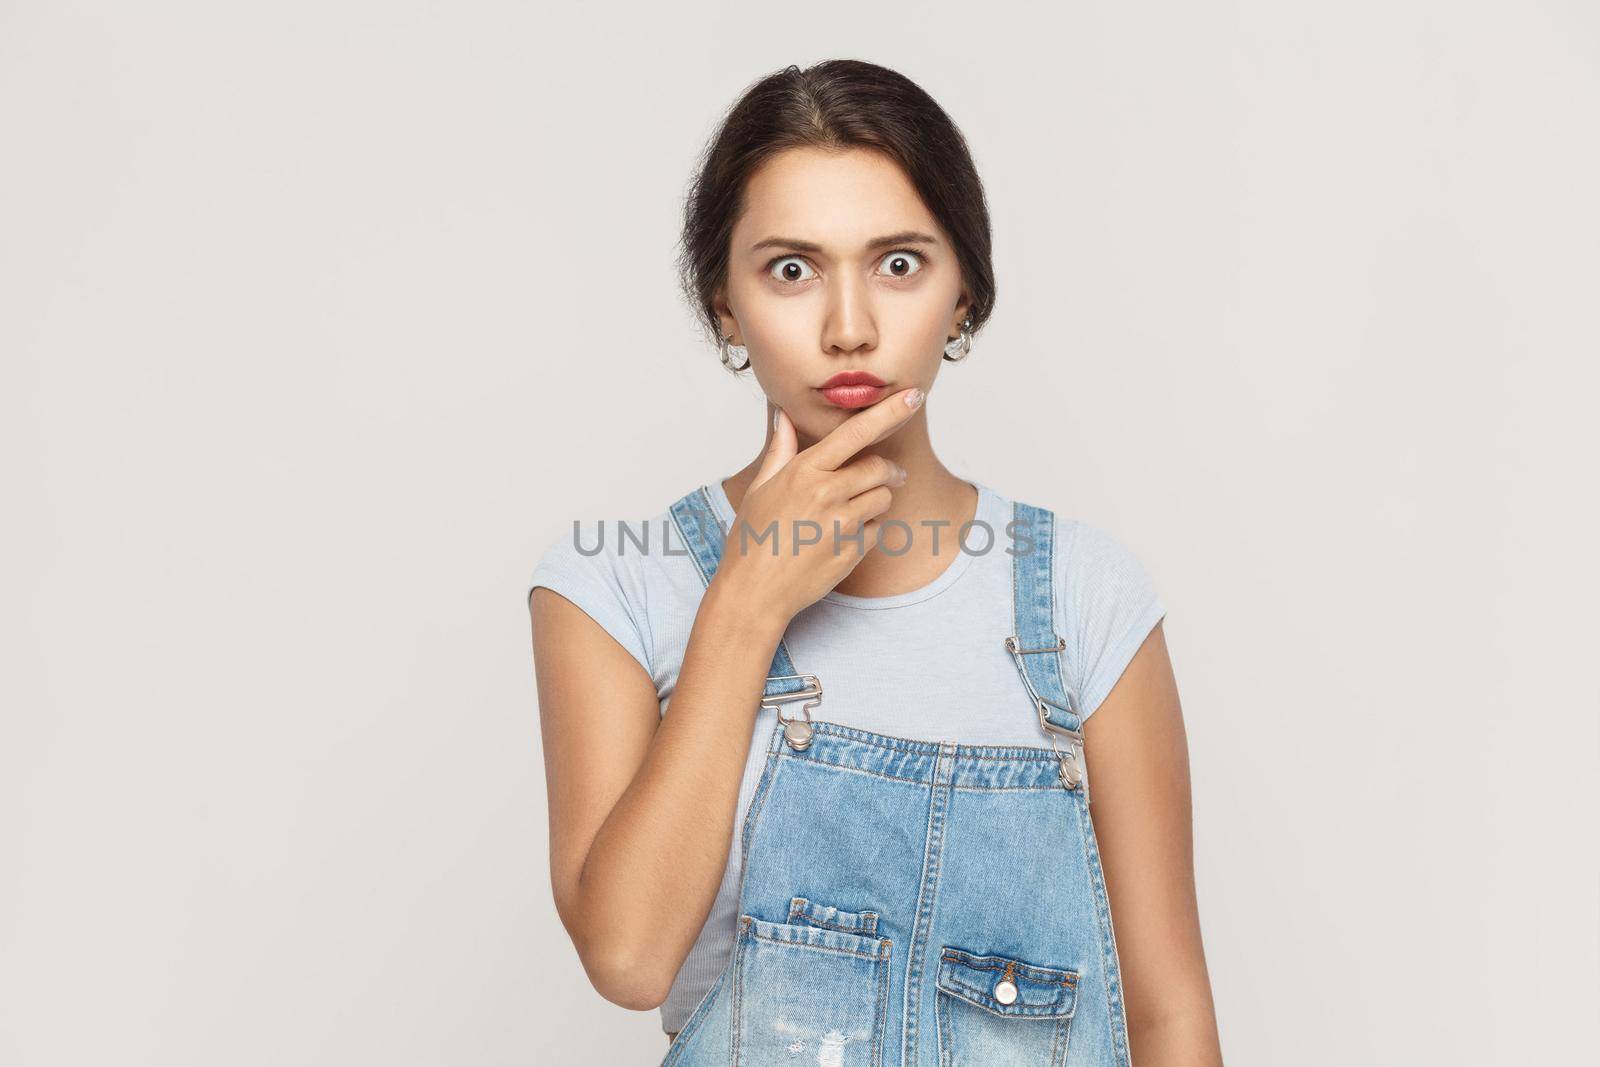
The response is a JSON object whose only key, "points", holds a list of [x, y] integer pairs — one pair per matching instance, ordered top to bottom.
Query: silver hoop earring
{"points": [[959, 349], [729, 352]]}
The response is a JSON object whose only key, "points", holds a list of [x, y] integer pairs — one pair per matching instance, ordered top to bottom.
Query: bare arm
{"points": [[1139, 781], [642, 805]]}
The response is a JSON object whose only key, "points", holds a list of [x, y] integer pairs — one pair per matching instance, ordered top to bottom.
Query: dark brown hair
{"points": [[835, 104]]}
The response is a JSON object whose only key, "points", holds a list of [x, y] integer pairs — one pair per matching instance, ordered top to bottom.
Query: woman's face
{"points": [[836, 265]]}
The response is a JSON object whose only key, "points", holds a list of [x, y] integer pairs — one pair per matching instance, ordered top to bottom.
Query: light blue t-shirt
{"points": [[928, 664]]}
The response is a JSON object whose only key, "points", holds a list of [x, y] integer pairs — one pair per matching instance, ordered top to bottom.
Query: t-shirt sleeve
{"points": [[606, 590], [1110, 605]]}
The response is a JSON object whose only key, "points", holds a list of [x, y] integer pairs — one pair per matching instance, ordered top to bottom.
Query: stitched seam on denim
{"points": [[711, 509], [1019, 513], [708, 552], [694, 554], [1016, 579], [1026, 589], [1050, 590], [1048, 683], [1061, 688], [931, 748], [961, 752], [1039, 755], [1043, 759], [848, 769], [852, 770], [1053, 787], [752, 818], [922, 920], [861, 928], [864, 928], [756, 933], [1033, 972], [1110, 972], [1068, 982], [738, 990], [911, 994], [1059, 996], [1065, 998], [984, 999], [1030, 1011], [941, 1015], [880, 1022]]}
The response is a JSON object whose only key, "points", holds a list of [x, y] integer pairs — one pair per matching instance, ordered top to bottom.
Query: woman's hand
{"points": [[774, 555]]}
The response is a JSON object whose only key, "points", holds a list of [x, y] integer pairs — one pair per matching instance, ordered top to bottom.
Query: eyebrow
{"points": [[904, 237]]}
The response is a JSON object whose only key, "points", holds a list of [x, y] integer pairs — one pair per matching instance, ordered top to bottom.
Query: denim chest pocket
{"points": [[813, 989], [1001, 1009]]}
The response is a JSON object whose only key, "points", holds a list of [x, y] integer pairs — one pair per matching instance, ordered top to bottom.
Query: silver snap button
{"points": [[798, 733], [1005, 991]]}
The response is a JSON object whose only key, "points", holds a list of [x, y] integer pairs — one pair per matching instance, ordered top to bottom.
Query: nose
{"points": [[849, 326]]}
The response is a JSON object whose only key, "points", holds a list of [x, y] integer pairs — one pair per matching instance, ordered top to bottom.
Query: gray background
{"points": [[320, 320]]}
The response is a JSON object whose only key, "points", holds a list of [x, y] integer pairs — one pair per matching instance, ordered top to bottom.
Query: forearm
{"points": [[653, 870]]}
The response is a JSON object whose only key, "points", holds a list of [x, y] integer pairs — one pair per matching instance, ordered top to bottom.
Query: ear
{"points": [[963, 308], [726, 323]]}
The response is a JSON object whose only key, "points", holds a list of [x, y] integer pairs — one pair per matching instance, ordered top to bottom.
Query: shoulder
{"points": [[1077, 545], [608, 549], [1090, 554], [1086, 559], [610, 568], [1109, 602], [1106, 604]]}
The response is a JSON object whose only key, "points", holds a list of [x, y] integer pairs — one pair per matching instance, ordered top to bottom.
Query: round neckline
{"points": [[986, 512]]}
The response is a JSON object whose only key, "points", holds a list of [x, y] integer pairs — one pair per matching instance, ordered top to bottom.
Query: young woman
{"points": [[861, 833]]}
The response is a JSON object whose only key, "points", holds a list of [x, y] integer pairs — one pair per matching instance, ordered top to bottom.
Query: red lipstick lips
{"points": [[852, 389]]}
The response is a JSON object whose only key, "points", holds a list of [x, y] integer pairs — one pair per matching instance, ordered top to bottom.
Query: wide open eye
{"points": [[903, 263], [790, 269]]}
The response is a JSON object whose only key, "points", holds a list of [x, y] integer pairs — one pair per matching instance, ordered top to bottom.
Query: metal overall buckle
{"points": [[797, 732], [1071, 762], [1071, 765]]}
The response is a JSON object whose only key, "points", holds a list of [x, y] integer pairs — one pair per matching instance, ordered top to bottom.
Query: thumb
{"points": [[780, 451]]}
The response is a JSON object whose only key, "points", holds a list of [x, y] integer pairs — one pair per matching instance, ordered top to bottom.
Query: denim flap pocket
{"points": [[810, 913], [1039, 991]]}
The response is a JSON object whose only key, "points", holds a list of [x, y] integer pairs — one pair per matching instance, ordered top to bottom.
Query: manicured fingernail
{"points": [[914, 398], [775, 412]]}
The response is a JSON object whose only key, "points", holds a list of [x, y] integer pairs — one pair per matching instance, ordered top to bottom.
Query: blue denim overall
{"points": [[917, 903]]}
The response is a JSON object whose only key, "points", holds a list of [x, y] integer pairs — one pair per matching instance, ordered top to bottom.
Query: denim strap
{"points": [[703, 534], [1038, 653]]}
